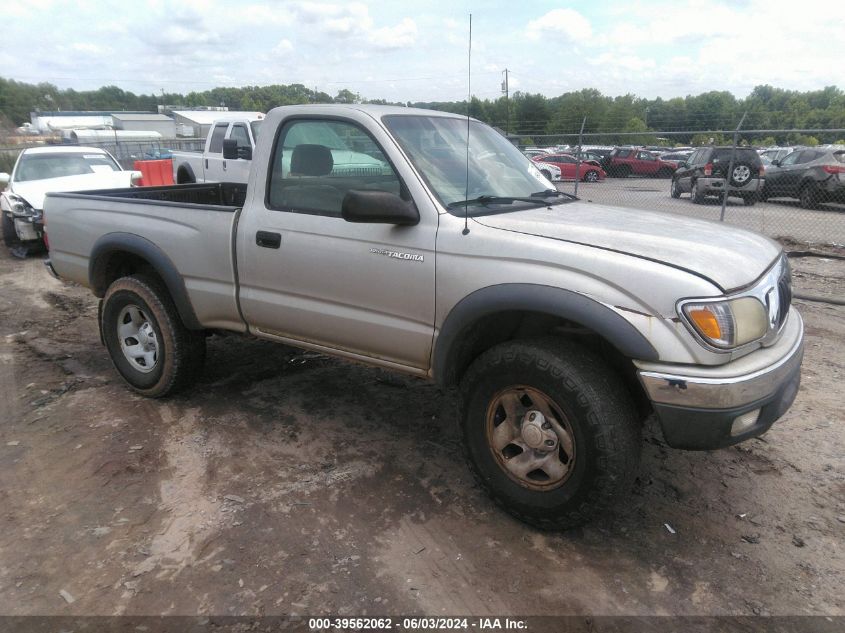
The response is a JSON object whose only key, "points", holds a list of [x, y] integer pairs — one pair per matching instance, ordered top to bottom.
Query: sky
{"points": [[418, 51]]}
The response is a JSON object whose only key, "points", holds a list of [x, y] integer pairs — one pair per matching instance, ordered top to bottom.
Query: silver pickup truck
{"points": [[562, 323]]}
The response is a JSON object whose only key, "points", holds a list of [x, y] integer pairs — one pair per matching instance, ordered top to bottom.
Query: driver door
{"points": [[309, 276]]}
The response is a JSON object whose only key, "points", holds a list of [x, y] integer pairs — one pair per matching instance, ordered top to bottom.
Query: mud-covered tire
{"points": [[675, 188], [10, 235], [180, 351], [597, 409]]}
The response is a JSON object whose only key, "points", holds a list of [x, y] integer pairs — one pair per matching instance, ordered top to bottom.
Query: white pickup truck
{"points": [[210, 165], [562, 323]]}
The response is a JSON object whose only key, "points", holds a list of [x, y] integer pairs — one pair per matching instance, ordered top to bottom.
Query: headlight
{"points": [[20, 206], [728, 324]]}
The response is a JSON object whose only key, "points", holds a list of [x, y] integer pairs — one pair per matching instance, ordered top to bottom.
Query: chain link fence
{"points": [[126, 152], [642, 171], [798, 195]]}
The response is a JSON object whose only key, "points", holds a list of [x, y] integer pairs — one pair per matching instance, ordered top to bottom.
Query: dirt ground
{"points": [[290, 483]]}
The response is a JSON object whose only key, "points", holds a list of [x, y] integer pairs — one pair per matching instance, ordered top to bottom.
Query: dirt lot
{"points": [[292, 483]]}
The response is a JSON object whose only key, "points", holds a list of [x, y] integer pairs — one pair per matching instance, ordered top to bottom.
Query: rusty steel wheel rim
{"points": [[530, 438]]}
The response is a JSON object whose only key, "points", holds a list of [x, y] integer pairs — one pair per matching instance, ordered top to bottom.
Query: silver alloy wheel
{"points": [[741, 174], [592, 176], [137, 337], [530, 438]]}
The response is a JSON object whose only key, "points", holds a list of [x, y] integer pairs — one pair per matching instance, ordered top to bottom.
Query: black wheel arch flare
{"points": [[557, 302]]}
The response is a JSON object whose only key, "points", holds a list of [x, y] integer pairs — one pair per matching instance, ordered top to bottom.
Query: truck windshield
{"points": [[60, 165], [500, 177]]}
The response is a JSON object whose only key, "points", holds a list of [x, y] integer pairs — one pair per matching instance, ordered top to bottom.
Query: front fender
{"points": [[550, 300]]}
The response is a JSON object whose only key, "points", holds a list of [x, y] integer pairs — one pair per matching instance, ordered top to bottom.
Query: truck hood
{"points": [[33, 191], [727, 256]]}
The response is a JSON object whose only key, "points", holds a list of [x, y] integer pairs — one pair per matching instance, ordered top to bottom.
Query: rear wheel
{"points": [[184, 176], [695, 194], [808, 197], [148, 343], [550, 431]]}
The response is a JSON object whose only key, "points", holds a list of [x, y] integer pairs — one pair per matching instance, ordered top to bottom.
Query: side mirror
{"points": [[230, 149], [245, 153], [776, 162], [4, 179], [378, 207]]}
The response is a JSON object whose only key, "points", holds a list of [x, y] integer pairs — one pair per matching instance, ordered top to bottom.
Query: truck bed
{"points": [[192, 225]]}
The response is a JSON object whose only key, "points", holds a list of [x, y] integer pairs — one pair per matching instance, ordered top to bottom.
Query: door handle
{"points": [[266, 239]]}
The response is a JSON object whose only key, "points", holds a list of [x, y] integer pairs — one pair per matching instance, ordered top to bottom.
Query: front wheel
{"points": [[591, 176], [675, 189], [10, 235], [148, 343], [550, 431]]}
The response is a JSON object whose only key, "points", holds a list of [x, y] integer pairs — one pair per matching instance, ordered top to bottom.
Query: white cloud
{"points": [[566, 22], [402, 35], [284, 46], [88, 48]]}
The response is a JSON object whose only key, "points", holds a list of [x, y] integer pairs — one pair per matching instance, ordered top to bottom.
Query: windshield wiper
{"points": [[550, 193], [488, 200]]}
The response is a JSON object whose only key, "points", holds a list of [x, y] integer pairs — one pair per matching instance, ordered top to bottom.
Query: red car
{"points": [[627, 161], [588, 171]]}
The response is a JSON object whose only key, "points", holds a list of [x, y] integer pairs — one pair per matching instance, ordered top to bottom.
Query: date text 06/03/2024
{"points": [[415, 623]]}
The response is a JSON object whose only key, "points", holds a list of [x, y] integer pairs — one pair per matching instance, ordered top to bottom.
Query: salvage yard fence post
{"points": [[729, 175]]}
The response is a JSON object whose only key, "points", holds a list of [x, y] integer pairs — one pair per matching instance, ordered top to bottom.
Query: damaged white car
{"points": [[40, 170]]}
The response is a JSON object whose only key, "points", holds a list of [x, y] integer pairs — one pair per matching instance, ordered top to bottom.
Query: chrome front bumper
{"points": [[699, 406]]}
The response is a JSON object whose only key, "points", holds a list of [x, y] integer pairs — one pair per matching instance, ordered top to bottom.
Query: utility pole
{"points": [[507, 102]]}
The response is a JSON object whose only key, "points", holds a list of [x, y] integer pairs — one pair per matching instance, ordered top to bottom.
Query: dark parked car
{"points": [[705, 172], [811, 175]]}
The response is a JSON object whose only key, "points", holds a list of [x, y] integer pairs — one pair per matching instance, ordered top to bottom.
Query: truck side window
{"points": [[240, 134], [216, 144], [316, 162]]}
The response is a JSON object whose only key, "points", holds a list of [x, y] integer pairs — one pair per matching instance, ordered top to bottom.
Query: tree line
{"points": [[523, 114]]}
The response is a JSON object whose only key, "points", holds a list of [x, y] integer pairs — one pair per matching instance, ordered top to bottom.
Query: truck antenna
{"points": [[469, 102]]}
